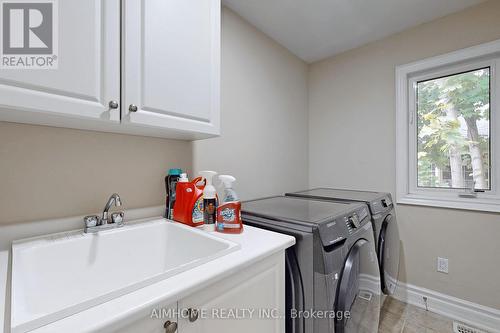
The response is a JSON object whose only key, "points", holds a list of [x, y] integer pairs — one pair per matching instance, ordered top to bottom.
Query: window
{"points": [[446, 129], [453, 131]]}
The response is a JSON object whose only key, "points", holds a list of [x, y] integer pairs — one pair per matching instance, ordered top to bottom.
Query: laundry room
{"points": [[322, 166]]}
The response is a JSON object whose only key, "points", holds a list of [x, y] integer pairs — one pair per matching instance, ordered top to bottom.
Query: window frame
{"points": [[407, 77]]}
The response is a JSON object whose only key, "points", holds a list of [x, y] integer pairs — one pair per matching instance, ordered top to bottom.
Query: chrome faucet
{"points": [[114, 199], [94, 223]]}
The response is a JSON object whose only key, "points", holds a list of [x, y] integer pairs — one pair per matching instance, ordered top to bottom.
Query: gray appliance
{"points": [[384, 225], [332, 273]]}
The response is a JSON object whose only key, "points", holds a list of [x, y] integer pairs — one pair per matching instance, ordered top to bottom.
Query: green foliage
{"points": [[470, 93], [440, 103]]}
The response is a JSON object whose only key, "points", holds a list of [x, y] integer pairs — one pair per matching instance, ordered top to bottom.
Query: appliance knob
{"points": [[354, 221]]}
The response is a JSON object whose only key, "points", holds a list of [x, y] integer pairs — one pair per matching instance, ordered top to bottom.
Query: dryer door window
{"points": [[388, 254], [358, 300]]}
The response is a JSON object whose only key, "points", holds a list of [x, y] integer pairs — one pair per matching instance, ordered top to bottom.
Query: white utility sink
{"points": [[59, 275]]}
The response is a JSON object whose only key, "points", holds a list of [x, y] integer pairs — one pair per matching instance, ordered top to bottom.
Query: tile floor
{"points": [[398, 317]]}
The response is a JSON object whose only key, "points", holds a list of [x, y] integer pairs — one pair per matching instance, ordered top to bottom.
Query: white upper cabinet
{"points": [[85, 41], [158, 58], [171, 65]]}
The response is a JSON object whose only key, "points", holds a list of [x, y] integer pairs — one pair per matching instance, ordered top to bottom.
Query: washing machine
{"points": [[384, 222], [332, 272]]}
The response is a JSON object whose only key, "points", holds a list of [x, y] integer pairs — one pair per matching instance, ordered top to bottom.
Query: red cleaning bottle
{"points": [[188, 207], [229, 211]]}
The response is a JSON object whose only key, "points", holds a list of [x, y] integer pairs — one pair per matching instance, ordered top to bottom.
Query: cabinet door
{"points": [[172, 65], [87, 77], [250, 301], [156, 322]]}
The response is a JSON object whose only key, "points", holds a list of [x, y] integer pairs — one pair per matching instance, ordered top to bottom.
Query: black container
{"points": [[170, 185]]}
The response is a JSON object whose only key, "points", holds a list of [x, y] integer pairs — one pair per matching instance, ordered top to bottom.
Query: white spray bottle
{"points": [[229, 193], [209, 201]]}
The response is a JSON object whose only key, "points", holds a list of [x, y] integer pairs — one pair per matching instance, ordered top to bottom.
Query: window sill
{"points": [[474, 204]]}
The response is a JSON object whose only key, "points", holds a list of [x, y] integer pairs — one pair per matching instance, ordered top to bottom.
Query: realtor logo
{"points": [[29, 34]]}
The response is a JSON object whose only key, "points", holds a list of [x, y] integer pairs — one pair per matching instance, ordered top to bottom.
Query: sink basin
{"points": [[62, 274]]}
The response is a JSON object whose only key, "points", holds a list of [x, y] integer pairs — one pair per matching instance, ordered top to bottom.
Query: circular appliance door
{"points": [[388, 254], [357, 306]]}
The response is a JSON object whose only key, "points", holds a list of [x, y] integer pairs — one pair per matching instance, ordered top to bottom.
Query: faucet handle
{"points": [[117, 218], [91, 221]]}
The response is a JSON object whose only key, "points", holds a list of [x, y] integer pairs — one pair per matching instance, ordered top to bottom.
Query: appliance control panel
{"points": [[382, 204], [354, 220], [343, 226]]}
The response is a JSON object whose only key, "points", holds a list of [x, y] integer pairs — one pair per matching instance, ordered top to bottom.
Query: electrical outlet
{"points": [[442, 265]]}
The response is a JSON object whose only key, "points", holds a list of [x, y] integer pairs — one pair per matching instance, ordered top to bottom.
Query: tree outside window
{"points": [[453, 131]]}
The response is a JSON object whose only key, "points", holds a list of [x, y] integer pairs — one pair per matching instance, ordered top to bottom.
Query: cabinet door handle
{"points": [[113, 104], [132, 108], [193, 314], [170, 327]]}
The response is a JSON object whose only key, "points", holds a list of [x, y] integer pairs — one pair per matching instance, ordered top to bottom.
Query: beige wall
{"points": [[264, 114], [352, 145], [48, 172]]}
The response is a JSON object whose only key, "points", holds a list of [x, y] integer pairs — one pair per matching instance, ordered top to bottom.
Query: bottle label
{"points": [[173, 186], [209, 210], [198, 211], [228, 214], [229, 226]]}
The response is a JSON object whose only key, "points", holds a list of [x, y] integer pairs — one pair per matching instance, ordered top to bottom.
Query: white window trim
{"points": [[484, 55]]}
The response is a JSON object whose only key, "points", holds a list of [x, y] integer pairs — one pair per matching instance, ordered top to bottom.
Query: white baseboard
{"points": [[479, 316]]}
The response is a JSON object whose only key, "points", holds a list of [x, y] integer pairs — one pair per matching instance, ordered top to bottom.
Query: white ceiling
{"points": [[316, 29]]}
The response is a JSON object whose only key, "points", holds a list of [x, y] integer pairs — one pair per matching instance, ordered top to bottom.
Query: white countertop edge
{"points": [[138, 304]]}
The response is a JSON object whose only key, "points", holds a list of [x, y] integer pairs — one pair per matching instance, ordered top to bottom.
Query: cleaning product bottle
{"points": [[183, 178], [170, 184], [209, 201], [188, 208], [229, 211]]}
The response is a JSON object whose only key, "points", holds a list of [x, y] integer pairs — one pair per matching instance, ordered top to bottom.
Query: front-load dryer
{"points": [[385, 226], [332, 272]]}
